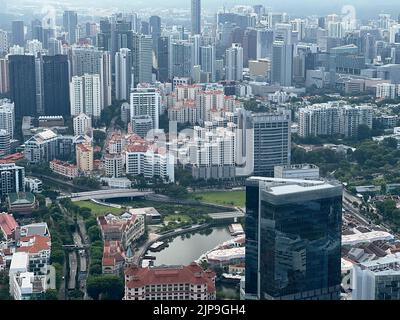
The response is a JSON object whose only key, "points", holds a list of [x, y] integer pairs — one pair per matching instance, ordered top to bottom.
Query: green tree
{"points": [[110, 287], [51, 294]]}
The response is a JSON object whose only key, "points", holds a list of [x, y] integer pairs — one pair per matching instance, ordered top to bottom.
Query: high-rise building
{"points": [[196, 16], [70, 24], [37, 30], [155, 31], [18, 33], [4, 42], [54, 47], [142, 59], [163, 59], [86, 60], [181, 60], [207, 60], [234, 63], [282, 63], [123, 73], [4, 76], [106, 80], [23, 84], [39, 85], [85, 94], [56, 100], [146, 101], [7, 117], [82, 125], [272, 141], [5, 143], [84, 157], [12, 178], [293, 239], [376, 279]]}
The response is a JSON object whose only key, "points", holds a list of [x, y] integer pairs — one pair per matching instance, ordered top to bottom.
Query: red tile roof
{"points": [[7, 224], [38, 244], [193, 274]]}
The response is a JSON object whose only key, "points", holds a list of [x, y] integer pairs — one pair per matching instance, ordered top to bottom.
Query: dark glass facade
{"points": [[23, 84], [56, 85], [293, 243]]}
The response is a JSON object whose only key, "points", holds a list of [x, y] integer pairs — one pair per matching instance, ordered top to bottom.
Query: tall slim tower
{"points": [[196, 16], [70, 24], [293, 239]]}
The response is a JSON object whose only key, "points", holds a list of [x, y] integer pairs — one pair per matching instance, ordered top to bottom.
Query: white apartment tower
{"points": [[85, 93], [146, 101]]}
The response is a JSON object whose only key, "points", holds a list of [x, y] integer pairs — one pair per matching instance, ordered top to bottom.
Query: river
{"points": [[184, 249]]}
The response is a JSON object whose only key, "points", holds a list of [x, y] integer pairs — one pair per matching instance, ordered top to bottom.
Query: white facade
{"points": [[4, 41], [234, 63], [123, 74], [387, 91], [85, 95], [145, 101], [7, 116], [82, 124], [150, 164]]}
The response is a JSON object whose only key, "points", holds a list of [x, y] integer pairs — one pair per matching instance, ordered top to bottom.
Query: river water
{"points": [[184, 249]]}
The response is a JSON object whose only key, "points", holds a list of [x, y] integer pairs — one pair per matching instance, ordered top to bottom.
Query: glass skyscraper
{"points": [[293, 239]]}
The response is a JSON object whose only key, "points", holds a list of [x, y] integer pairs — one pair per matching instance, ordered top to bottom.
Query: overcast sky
{"points": [[365, 8]]}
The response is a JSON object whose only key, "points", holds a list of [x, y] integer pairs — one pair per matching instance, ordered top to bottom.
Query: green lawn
{"points": [[228, 198], [98, 209]]}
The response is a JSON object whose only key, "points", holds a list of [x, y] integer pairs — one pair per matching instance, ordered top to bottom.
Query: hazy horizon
{"points": [[307, 7]]}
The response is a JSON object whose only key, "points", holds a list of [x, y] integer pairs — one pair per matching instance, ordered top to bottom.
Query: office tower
{"points": [[196, 16], [70, 23], [145, 28], [37, 30], [155, 31], [18, 33], [48, 33], [121, 35], [104, 36], [265, 38], [196, 40], [4, 42], [249, 46], [54, 47], [142, 56], [163, 59], [181, 60], [207, 60], [234, 63], [282, 63], [123, 74], [4, 76], [105, 78], [23, 84], [56, 86], [39, 87], [85, 93], [145, 101], [7, 117], [82, 124], [271, 141], [5, 143], [12, 178], [293, 239], [294, 254], [376, 279]]}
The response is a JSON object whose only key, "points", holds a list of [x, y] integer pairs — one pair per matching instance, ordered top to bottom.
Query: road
{"points": [[85, 258], [73, 268]]}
